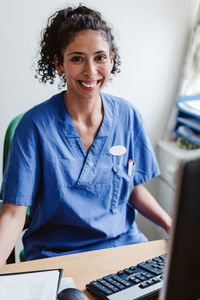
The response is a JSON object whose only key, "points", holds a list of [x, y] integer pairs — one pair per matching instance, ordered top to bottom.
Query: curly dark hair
{"points": [[62, 27]]}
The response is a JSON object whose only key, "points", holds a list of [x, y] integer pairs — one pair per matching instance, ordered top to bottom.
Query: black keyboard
{"points": [[135, 282]]}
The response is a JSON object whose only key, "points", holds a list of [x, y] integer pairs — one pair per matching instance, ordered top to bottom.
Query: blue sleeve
{"points": [[146, 165], [22, 172]]}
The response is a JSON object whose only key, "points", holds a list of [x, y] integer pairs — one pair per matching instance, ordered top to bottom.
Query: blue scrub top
{"points": [[79, 201]]}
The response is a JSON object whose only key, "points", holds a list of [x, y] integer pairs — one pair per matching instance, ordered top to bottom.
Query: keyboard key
{"points": [[163, 256], [157, 259], [149, 261], [148, 267], [133, 268], [128, 271], [120, 273], [108, 276], [140, 276], [148, 276], [134, 280], [156, 280], [122, 281], [150, 282], [115, 283], [108, 285], [143, 285], [101, 288]]}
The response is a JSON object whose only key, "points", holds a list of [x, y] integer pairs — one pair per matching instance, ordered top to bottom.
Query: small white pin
{"points": [[117, 150], [130, 167]]}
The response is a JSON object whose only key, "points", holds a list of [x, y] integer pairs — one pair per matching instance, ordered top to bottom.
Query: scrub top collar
{"points": [[69, 127]]}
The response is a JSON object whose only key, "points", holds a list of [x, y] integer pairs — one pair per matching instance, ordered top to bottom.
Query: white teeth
{"points": [[88, 85]]}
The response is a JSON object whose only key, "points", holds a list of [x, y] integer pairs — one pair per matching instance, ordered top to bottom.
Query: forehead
{"points": [[88, 41]]}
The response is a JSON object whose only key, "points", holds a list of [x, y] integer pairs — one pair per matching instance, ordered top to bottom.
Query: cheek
{"points": [[71, 70], [106, 70], [71, 74]]}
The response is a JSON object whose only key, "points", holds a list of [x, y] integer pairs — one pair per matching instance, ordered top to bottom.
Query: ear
{"points": [[58, 67]]}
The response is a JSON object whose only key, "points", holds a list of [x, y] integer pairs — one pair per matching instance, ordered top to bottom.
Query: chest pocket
{"points": [[122, 186]]}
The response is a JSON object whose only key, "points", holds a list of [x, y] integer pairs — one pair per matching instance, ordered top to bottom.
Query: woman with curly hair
{"points": [[78, 159]]}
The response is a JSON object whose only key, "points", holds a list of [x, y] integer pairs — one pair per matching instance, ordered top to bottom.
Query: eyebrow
{"points": [[82, 53]]}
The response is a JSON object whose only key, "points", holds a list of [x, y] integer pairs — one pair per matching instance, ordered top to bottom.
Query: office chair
{"points": [[7, 141]]}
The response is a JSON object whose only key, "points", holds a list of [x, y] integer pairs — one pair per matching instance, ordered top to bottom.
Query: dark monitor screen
{"points": [[182, 271]]}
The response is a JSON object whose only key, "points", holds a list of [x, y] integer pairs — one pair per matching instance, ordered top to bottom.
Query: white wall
{"points": [[151, 34]]}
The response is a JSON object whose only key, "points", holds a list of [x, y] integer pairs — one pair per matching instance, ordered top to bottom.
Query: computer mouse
{"points": [[72, 294]]}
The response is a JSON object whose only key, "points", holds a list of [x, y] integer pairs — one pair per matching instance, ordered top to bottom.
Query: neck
{"points": [[83, 110]]}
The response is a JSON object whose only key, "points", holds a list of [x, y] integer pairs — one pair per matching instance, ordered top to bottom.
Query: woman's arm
{"points": [[145, 203], [12, 219]]}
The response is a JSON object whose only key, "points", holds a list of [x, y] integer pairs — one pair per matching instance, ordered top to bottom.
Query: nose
{"points": [[90, 68]]}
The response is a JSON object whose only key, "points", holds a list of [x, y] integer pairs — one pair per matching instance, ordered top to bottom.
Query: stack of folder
{"points": [[188, 118]]}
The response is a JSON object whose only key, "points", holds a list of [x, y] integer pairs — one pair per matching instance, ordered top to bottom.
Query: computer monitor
{"points": [[182, 270]]}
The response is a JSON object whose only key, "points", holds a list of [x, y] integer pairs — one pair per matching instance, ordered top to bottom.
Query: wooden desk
{"points": [[87, 266]]}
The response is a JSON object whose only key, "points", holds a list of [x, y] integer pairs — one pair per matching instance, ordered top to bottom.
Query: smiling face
{"points": [[87, 64]]}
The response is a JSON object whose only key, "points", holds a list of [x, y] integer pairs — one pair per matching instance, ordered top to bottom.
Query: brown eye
{"points": [[100, 57], [77, 58]]}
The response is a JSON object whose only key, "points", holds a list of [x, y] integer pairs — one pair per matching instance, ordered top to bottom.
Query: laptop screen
{"points": [[182, 271]]}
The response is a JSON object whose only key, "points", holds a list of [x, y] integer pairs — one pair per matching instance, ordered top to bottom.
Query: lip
{"points": [[89, 85]]}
